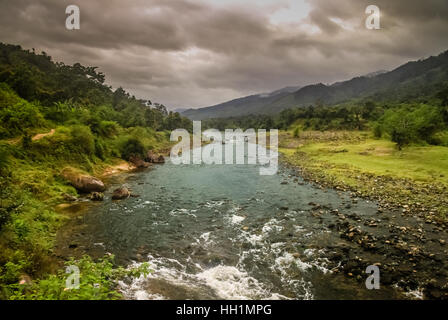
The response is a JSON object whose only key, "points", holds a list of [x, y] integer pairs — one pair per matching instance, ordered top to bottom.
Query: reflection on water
{"points": [[221, 232]]}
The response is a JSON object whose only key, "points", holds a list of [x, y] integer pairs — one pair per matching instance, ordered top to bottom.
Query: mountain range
{"points": [[413, 81]]}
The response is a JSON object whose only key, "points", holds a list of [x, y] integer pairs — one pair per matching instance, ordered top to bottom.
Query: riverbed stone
{"points": [[154, 158], [138, 162], [83, 182], [121, 193]]}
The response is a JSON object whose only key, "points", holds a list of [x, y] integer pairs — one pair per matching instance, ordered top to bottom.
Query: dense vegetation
{"points": [[413, 82], [407, 105], [403, 123], [91, 125]]}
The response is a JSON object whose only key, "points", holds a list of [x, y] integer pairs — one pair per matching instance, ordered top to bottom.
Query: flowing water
{"points": [[222, 232]]}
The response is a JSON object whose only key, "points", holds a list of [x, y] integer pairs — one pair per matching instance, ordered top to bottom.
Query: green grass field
{"points": [[379, 157], [425, 164], [416, 176]]}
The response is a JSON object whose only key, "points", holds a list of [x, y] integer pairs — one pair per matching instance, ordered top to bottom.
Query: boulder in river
{"points": [[154, 158], [138, 162], [83, 182], [121, 193]]}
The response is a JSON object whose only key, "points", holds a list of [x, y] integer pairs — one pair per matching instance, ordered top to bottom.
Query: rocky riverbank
{"points": [[407, 237]]}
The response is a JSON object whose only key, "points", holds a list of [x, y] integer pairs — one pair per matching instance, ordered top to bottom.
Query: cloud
{"points": [[192, 53]]}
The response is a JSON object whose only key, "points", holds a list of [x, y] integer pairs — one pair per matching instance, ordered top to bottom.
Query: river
{"points": [[222, 232]]}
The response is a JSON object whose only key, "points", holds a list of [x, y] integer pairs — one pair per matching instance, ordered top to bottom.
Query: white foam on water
{"points": [[146, 204], [213, 204], [235, 209], [183, 211], [236, 219], [271, 225], [205, 236], [207, 239], [253, 239], [204, 240], [277, 245], [309, 252], [286, 260], [283, 264], [170, 270], [234, 282], [229, 283], [134, 291], [415, 294]]}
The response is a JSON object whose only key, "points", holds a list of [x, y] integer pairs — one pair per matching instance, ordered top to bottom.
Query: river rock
{"points": [[154, 158], [138, 162], [83, 182], [121, 193], [69, 197]]}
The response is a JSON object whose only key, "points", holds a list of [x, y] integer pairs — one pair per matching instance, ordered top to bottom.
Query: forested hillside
{"points": [[416, 81], [241, 106], [56, 117]]}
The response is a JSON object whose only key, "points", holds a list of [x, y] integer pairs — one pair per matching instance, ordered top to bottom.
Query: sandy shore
{"points": [[122, 166]]}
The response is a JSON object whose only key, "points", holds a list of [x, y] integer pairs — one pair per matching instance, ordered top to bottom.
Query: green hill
{"points": [[414, 81]]}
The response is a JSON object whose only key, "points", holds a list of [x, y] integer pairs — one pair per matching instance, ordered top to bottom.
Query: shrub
{"points": [[16, 114], [18, 117], [410, 124], [108, 129], [377, 130], [296, 132], [82, 139], [440, 139], [26, 141], [132, 147], [100, 151]]}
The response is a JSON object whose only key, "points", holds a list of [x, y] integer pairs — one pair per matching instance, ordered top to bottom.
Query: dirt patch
{"points": [[42, 135], [382, 151], [118, 168]]}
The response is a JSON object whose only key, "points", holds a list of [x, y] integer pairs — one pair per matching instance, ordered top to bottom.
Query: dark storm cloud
{"points": [[197, 53]]}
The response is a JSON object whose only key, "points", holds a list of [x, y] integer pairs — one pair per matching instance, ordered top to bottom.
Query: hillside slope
{"points": [[413, 81], [241, 106]]}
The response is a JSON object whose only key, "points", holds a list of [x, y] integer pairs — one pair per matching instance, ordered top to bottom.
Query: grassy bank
{"points": [[54, 116], [413, 180], [31, 188]]}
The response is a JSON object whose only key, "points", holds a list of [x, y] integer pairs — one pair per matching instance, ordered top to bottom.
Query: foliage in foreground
{"points": [[97, 281]]}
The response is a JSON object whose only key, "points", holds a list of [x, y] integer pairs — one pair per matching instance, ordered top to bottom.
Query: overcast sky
{"points": [[196, 53]]}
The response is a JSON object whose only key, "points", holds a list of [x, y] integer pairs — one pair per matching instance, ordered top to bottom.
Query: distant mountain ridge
{"points": [[409, 82], [240, 106]]}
